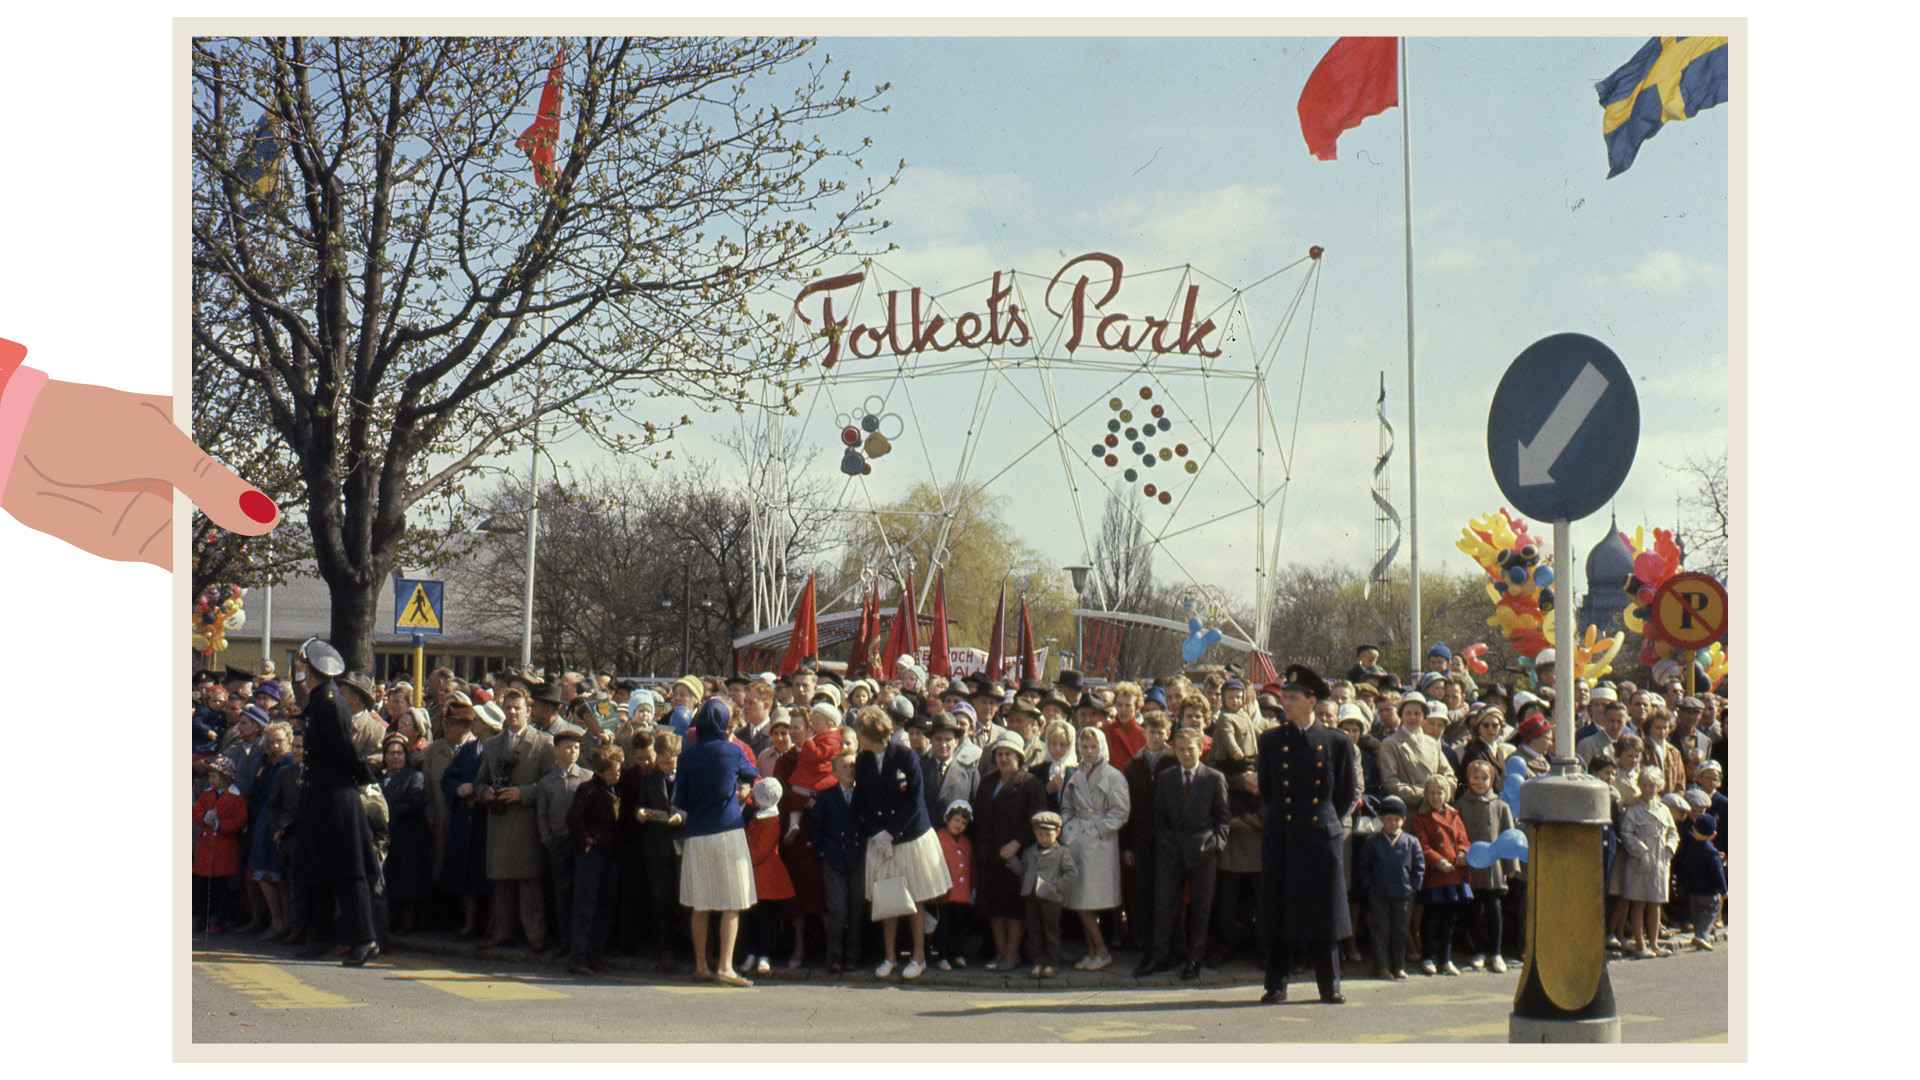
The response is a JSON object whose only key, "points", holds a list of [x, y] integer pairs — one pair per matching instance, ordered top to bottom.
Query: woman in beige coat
{"points": [[1093, 806], [1648, 839]]}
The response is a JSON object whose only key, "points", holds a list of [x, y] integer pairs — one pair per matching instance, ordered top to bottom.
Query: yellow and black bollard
{"points": [[1564, 994]]}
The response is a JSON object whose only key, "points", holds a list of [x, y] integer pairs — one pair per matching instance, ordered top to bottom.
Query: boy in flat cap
{"points": [[1045, 868]]}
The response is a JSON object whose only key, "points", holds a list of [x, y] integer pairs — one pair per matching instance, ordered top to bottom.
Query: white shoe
{"points": [[1479, 961], [1098, 962], [1082, 963], [1498, 963], [747, 964], [944, 965], [762, 967], [1427, 968], [885, 969], [1449, 969], [912, 970], [1036, 970]]}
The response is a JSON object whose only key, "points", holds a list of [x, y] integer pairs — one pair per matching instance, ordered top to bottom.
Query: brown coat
{"points": [[513, 831]]}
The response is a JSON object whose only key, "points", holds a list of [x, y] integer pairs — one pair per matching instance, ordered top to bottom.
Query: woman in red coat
{"points": [[221, 814], [1443, 838]]}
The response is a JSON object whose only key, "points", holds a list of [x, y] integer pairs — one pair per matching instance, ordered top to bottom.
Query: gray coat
{"points": [[1486, 817], [513, 832], [1045, 872]]}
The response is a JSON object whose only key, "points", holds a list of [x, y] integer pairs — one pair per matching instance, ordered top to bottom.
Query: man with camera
{"points": [[511, 765]]}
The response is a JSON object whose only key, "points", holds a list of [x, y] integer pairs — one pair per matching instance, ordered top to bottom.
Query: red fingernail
{"points": [[258, 506]]}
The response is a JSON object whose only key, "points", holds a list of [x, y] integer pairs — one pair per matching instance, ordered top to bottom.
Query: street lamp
{"points": [[509, 523], [1079, 572]]}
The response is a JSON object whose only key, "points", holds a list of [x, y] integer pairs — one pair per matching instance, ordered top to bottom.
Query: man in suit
{"points": [[511, 765], [1306, 774], [943, 778], [1190, 822]]}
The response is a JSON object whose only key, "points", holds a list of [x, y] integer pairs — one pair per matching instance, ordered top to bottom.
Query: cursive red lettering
{"points": [[1078, 305], [966, 330], [1126, 335]]}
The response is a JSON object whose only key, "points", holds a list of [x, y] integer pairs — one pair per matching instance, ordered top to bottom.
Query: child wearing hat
{"points": [[221, 814], [1392, 866], [1045, 868], [1701, 872], [770, 881], [951, 911]]}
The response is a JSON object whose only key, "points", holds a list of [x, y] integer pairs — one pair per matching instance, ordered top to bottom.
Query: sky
{"points": [[1023, 153], [91, 283]]}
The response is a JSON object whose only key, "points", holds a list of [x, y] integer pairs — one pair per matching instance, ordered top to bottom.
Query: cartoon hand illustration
{"points": [[96, 467]]}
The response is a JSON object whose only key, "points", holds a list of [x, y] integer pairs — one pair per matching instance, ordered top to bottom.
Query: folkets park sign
{"points": [[1083, 294]]}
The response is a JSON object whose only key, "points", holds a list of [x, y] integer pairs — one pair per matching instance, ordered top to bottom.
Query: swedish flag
{"points": [[1668, 79]]}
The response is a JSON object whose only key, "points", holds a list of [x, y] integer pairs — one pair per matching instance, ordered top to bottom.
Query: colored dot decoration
{"points": [[1120, 429], [850, 435]]}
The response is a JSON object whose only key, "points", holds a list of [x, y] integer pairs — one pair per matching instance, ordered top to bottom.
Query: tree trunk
{"points": [[354, 608]]}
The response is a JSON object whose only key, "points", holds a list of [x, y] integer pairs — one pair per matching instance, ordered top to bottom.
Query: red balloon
{"points": [[1648, 567], [1645, 595]]}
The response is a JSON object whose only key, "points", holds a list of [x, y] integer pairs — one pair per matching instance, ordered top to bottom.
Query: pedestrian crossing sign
{"points": [[416, 606]]}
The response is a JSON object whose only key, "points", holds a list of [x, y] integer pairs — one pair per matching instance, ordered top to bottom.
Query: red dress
{"points": [[216, 851], [804, 867]]}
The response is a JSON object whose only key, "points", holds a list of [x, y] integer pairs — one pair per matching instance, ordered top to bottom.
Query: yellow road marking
{"points": [[475, 986], [270, 987], [1114, 1029], [1471, 1031], [1382, 1037]]}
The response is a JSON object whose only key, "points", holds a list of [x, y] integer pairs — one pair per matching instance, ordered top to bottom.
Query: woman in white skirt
{"points": [[1094, 805], [892, 814], [716, 870]]}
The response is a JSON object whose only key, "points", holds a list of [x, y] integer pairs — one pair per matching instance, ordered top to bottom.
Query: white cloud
{"points": [[1453, 259]]}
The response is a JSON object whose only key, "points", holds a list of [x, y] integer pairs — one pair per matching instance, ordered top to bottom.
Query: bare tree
{"points": [[405, 297], [1705, 523]]}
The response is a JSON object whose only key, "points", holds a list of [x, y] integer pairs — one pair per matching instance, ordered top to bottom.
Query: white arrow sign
{"points": [[1538, 458]]}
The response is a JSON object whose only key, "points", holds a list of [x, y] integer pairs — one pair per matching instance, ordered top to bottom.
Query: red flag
{"points": [[1358, 78], [537, 141], [863, 632], [904, 638], [804, 641], [997, 641], [938, 660], [1028, 668]]}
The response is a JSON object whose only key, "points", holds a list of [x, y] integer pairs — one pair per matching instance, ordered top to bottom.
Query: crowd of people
{"points": [[1303, 824]]}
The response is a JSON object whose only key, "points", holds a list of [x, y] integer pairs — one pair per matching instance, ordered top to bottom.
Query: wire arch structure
{"points": [[1107, 357]]}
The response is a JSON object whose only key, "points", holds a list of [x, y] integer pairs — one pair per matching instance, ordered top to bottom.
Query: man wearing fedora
{"points": [[1305, 771], [944, 780], [332, 827]]}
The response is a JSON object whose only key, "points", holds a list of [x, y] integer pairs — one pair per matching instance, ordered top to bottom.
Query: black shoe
{"points": [[361, 954], [1147, 967], [1191, 971], [1274, 997], [1333, 999]]}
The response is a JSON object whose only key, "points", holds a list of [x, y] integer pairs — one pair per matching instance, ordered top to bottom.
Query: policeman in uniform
{"points": [[1306, 776], [334, 836]]}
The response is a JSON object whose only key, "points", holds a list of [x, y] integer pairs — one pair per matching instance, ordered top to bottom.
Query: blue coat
{"points": [[708, 776], [887, 794], [835, 834], [1698, 868], [1391, 869]]}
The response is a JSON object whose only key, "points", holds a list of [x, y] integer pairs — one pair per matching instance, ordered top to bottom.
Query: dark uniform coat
{"points": [[1306, 777], [333, 835]]}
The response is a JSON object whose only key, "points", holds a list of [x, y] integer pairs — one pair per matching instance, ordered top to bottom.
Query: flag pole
{"points": [[1413, 430]]}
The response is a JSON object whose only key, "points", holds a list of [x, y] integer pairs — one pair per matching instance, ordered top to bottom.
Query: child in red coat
{"points": [[813, 773], [218, 860], [770, 881], [1444, 890], [950, 911]]}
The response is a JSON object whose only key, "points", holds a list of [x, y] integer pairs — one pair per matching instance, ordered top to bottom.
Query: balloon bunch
{"points": [[1651, 569], [1522, 592], [216, 611]]}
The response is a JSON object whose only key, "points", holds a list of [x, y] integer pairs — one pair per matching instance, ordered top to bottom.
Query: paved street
{"points": [[246, 993]]}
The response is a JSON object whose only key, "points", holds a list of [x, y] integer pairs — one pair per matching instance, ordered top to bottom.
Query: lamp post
{"points": [[1079, 572]]}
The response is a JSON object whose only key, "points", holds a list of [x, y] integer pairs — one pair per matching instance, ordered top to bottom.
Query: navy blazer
{"points": [[887, 794], [834, 833]]}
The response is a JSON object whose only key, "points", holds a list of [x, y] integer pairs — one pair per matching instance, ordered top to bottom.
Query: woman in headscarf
{"points": [[1094, 806], [716, 869]]}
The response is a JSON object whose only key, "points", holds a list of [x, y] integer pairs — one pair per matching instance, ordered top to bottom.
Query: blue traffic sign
{"points": [[1563, 428], [417, 606]]}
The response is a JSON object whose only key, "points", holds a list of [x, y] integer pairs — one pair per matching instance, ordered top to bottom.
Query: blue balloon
{"points": [[1543, 576], [1197, 640], [1516, 766], [1511, 844], [1480, 855]]}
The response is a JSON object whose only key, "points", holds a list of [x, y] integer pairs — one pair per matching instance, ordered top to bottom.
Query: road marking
{"points": [[474, 986], [269, 987], [699, 989], [1468, 997], [1113, 1029], [1471, 1031], [1381, 1037]]}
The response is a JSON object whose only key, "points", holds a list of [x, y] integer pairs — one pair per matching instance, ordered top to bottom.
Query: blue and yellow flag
{"points": [[1670, 78], [258, 168]]}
